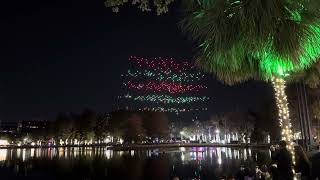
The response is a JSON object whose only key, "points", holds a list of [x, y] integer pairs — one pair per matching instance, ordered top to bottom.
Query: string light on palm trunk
{"points": [[279, 86]]}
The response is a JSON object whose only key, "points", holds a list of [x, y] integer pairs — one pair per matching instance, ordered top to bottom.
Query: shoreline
{"points": [[65, 146], [146, 146], [156, 146]]}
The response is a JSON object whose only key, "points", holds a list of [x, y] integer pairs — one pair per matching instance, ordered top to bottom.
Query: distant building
{"points": [[31, 126], [7, 128]]}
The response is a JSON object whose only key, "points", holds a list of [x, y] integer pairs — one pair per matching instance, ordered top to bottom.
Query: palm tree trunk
{"points": [[279, 85]]}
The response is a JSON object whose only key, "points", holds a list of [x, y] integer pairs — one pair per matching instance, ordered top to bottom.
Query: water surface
{"points": [[99, 163]]}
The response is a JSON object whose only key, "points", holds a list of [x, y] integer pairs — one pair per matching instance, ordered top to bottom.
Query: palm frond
{"points": [[247, 39]]}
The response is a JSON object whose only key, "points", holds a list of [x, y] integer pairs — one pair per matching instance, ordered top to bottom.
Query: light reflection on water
{"points": [[3, 154], [186, 163]]}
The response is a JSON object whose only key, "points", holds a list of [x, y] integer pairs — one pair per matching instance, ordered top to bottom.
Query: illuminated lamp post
{"points": [[182, 133], [217, 135]]}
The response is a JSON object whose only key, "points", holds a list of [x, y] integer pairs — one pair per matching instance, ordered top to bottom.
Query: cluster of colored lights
{"points": [[162, 64], [166, 76], [165, 84], [161, 86], [166, 99], [174, 110]]}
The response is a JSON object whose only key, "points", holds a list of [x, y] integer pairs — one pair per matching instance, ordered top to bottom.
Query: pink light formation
{"points": [[162, 64]]}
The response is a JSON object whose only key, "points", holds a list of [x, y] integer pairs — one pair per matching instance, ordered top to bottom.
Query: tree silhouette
{"points": [[268, 40], [135, 130]]}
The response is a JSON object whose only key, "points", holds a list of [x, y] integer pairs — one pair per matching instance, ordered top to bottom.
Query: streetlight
{"points": [[182, 133], [217, 135]]}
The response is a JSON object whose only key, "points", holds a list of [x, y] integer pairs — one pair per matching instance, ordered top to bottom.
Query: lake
{"points": [[99, 163]]}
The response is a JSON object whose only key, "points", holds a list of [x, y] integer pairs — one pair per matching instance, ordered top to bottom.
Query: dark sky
{"points": [[67, 55]]}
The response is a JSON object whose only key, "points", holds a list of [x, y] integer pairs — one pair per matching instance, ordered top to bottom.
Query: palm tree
{"points": [[251, 39], [256, 39]]}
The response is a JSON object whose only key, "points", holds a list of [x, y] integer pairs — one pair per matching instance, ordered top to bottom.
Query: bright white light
{"points": [[217, 131], [182, 133], [297, 136], [192, 138], [107, 140], [4, 142], [90, 142], [32, 150], [120, 153], [132, 153], [230, 153], [3, 154], [108, 154], [23, 155], [219, 156], [245, 156], [182, 157]]}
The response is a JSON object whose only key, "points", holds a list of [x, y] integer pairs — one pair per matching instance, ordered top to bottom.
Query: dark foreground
{"points": [[100, 163]]}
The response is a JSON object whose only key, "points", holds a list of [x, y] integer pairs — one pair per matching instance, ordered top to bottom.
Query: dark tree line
{"points": [[139, 126], [90, 127], [70, 128]]}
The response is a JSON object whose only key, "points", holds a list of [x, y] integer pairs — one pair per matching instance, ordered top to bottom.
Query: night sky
{"points": [[63, 56]]}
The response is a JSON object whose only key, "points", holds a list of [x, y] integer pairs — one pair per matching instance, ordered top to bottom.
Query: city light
{"points": [[297, 135], [107, 140], [4, 142], [182, 149], [3, 154], [182, 157]]}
